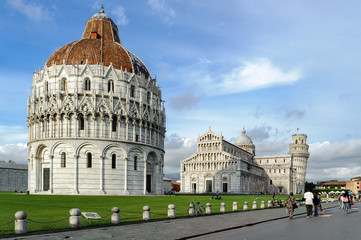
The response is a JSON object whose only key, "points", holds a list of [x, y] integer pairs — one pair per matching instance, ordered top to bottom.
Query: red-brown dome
{"points": [[99, 44]]}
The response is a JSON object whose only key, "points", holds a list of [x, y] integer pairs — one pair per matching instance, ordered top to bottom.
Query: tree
{"points": [[309, 186]]}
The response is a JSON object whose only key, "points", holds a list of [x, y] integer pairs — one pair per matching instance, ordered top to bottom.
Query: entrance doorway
{"points": [[46, 179], [149, 183], [209, 186], [194, 187], [225, 187]]}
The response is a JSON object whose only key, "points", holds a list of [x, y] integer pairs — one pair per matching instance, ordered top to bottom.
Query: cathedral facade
{"points": [[96, 119], [234, 168]]}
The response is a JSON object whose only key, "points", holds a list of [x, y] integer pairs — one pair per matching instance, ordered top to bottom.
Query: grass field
{"points": [[48, 212]]}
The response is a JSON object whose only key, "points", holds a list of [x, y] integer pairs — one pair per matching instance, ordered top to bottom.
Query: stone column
{"points": [[94, 119], [76, 120], [59, 121], [119, 124], [67, 125], [102, 127], [110, 127], [126, 129], [140, 131], [145, 133], [133, 134], [150, 135], [76, 174], [102, 174], [126, 176], [145, 176], [235, 207], [223, 208], [208, 209], [146, 213], [75, 218], [115, 219], [21, 224]]}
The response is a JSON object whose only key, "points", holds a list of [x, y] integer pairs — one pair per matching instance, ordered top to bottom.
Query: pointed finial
{"points": [[102, 9], [209, 128], [244, 130]]}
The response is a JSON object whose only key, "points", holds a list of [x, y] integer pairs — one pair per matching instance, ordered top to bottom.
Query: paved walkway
{"points": [[181, 228]]}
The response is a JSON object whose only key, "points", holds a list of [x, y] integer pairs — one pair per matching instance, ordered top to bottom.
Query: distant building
{"points": [[219, 165], [13, 177], [167, 185], [339, 185], [354, 185]]}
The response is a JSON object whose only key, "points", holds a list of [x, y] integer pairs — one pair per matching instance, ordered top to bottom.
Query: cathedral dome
{"points": [[100, 44], [243, 139]]}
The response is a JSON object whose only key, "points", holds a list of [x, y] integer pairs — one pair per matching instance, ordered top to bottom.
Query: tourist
{"points": [[273, 196], [316, 201], [346, 201], [308, 202], [319, 203], [291, 204]]}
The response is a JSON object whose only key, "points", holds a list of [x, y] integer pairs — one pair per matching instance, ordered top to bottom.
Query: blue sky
{"points": [[268, 66]]}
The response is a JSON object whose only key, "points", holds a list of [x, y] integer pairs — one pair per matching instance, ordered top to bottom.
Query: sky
{"points": [[268, 66]]}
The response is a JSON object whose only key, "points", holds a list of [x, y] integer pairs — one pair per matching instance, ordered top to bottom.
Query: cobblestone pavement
{"points": [[181, 228]]}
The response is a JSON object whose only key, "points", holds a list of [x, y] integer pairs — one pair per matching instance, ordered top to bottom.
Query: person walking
{"points": [[308, 196], [346, 202], [319, 203], [291, 204], [315, 204]]}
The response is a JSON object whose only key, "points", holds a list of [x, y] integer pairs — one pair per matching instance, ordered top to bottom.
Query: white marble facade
{"points": [[96, 119], [233, 168]]}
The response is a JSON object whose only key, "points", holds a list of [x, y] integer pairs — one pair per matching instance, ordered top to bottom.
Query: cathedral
{"points": [[96, 119], [219, 165]]}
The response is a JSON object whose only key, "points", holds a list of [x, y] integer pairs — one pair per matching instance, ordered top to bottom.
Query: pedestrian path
{"points": [[179, 228]]}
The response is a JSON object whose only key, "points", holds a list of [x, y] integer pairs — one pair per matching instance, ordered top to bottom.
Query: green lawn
{"points": [[46, 212]]}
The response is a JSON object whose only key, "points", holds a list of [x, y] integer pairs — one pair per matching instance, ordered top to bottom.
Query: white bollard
{"points": [[282, 203], [269, 204], [254, 205], [262, 205], [245, 206], [235, 207], [223, 208], [208, 209], [191, 210], [171, 211], [146, 213], [115, 215], [75, 218], [21, 224]]}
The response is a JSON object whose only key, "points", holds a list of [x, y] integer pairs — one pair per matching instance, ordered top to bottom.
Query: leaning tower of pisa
{"points": [[299, 155]]}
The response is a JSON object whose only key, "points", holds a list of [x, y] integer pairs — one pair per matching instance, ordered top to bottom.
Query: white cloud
{"points": [[34, 11], [165, 12], [119, 14], [255, 75], [176, 149], [16, 152], [340, 160]]}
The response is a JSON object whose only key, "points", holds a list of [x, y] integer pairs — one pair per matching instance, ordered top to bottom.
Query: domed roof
{"points": [[100, 44], [243, 139]]}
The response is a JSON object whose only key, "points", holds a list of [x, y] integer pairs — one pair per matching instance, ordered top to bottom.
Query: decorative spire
{"points": [[102, 9], [210, 128]]}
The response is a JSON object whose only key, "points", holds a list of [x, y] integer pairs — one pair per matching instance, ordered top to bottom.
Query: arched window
{"points": [[63, 84], [87, 84], [110, 86], [132, 91], [148, 97], [81, 123], [114, 124], [296, 141], [63, 160], [89, 160], [114, 160], [135, 163]]}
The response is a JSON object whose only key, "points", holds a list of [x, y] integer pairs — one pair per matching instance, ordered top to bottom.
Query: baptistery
{"points": [[96, 119]]}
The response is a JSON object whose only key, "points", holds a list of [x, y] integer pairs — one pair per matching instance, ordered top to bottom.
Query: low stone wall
{"points": [[13, 177]]}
